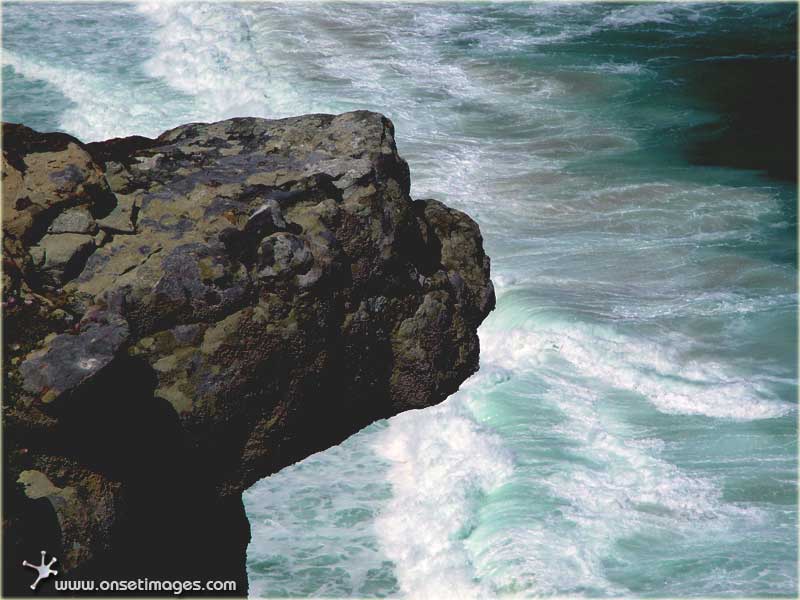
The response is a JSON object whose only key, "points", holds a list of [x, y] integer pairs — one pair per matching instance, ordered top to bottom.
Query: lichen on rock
{"points": [[194, 312]]}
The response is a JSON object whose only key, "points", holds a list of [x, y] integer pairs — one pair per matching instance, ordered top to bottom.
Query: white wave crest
{"points": [[661, 13], [206, 51], [103, 108], [650, 367], [442, 462]]}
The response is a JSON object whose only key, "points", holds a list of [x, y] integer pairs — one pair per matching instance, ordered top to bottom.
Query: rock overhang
{"points": [[257, 290]]}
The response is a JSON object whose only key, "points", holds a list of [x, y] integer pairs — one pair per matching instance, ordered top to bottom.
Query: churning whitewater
{"points": [[632, 429]]}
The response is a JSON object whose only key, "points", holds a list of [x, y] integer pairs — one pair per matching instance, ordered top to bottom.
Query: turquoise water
{"points": [[633, 427]]}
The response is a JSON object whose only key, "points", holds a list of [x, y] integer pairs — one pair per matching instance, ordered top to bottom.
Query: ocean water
{"points": [[633, 426]]}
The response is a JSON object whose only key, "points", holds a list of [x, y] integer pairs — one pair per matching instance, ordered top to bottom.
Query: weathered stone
{"points": [[42, 172], [43, 175], [122, 218], [266, 219], [74, 220], [102, 237], [460, 249], [283, 255], [60, 257], [261, 290], [70, 359], [85, 507]]}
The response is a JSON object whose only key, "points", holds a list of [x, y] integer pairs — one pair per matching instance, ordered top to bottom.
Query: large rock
{"points": [[262, 290]]}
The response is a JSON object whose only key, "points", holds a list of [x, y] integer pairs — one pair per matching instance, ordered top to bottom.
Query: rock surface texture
{"points": [[186, 315]]}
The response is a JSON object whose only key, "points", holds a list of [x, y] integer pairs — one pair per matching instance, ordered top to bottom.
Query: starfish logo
{"points": [[44, 570]]}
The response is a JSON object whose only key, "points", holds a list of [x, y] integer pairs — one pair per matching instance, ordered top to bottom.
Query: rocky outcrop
{"points": [[186, 315]]}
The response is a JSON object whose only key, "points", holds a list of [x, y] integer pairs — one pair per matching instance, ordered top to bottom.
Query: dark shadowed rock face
{"points": [[186, 315]]}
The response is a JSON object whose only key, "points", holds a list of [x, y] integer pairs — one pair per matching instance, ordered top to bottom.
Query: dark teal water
{"points": [[633, 427]]}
